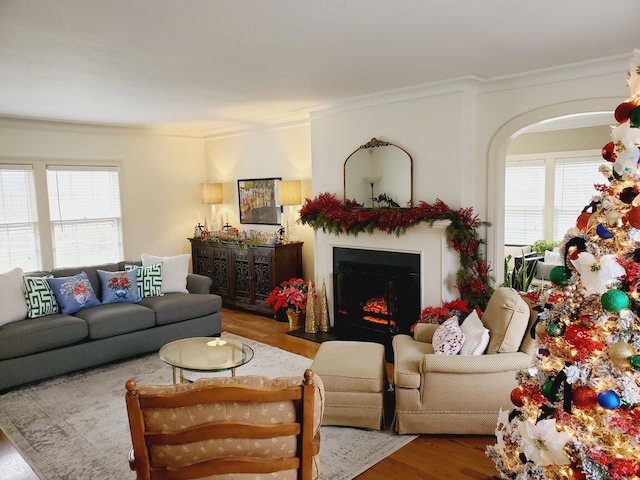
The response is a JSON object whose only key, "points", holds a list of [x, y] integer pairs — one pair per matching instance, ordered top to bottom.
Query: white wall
{"points": [[283, 152], [160, 176]]}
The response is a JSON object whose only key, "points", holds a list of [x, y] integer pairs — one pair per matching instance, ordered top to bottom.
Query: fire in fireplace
{"points": [[376, 293]]}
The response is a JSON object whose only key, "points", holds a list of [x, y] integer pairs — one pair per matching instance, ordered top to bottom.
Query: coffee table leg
{"points": [[173, 372], [233, 372]]}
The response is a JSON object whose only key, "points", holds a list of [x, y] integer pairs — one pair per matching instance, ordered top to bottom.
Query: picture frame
{"points": [[258, 201]]}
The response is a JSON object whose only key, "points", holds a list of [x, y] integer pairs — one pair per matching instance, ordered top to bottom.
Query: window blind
{"points": [[524, 202], [85, 210], [18, 219]]}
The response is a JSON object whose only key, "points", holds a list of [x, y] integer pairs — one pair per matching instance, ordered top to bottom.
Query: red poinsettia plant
{"points": [[290, 294], [455, 308]]}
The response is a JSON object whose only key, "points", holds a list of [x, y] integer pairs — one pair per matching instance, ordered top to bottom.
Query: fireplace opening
{"points": [[376, 293]]}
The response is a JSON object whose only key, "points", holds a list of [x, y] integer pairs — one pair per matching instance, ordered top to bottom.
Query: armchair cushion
{"points": [[506, 317]]}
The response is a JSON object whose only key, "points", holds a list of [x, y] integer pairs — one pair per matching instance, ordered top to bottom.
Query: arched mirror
{"points": [[379, 174]]}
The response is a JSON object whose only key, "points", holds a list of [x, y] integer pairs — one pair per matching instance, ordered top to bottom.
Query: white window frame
{"points": [[550, 160], [39, 166]]}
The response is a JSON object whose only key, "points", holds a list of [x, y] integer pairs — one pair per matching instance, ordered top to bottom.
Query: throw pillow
{"points": [[174, 271], [149, 280], [119, 287], [73, 293], [40, 298], [14, 307], [507, 318], [476, 336], [448, 338]]}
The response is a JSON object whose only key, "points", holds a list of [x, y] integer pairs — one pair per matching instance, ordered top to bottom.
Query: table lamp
{"points": [[289, 194], [212, 195]]}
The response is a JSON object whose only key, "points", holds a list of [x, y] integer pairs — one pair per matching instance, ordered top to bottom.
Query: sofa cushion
{"points": [[91, 271], [174, 271], [149, 279], [119, 287], [73, 293], [40, 298], [14, 305], [175, 307], [506, 317], [112, 319], [35, 335], [476, 336], [448, 338]]}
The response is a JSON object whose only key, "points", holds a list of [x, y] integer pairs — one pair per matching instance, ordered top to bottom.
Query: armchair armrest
{"points": [[198, 283], [424, 332], [470, 364]]}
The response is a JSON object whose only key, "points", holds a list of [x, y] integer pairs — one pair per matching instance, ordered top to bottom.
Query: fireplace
{"points": [[376, 293]]}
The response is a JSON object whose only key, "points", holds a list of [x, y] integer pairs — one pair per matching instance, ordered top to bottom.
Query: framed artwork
{"points": [[258, 199]]}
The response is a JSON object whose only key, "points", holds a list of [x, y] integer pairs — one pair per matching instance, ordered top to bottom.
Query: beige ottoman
{"points": [[354, 375]]}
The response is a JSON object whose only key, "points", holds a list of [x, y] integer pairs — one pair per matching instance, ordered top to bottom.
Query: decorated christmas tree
{"points": [[577, 409]]}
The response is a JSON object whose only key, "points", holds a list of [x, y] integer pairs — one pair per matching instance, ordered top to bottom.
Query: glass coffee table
{"points": [[205, 354]]}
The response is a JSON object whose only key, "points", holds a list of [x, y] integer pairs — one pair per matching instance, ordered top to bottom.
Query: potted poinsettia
{"points": [[290, 297]]}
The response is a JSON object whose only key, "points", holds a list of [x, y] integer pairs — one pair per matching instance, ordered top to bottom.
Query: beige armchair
{"points": [[462, 394]]}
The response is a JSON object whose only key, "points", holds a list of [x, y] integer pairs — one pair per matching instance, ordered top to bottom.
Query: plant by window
{"points": [[541, 246]]}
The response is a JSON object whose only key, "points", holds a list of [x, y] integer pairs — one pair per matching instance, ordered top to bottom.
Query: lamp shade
{"points": [[289, 192], [211, 193]]}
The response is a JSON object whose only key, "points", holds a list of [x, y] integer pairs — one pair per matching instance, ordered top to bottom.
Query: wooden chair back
{"points": [[149, 441]]}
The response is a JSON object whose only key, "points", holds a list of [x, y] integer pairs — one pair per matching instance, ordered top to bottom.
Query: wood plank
{"points": [[429, 457]]}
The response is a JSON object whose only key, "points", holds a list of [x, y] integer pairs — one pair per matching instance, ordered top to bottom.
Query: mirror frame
{"points": [[375, 143]]}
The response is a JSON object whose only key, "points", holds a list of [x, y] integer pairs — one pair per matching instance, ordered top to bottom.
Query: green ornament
{"points": [[634, 117], [616, 175], [560, 276], [614, 300], [554, 329], [635, 362], [546, 391]]}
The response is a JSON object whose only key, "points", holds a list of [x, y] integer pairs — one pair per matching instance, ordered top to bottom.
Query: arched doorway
{"points": [[564, 113]]}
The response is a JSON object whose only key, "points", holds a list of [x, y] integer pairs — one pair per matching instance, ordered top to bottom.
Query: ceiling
{"points": [[213, 64]]}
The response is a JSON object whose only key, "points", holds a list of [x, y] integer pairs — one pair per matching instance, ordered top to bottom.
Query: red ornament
{"points": [[623, 110], [609, 152], [633, 217], [583, 220], [517, 396], [584, 398]]}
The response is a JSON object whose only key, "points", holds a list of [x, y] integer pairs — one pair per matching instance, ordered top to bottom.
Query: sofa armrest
{"points": [[198, 283], [424, 332], [469, 364]]}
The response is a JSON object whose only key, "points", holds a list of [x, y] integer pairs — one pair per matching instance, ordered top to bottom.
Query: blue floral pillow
{"points": [[119, 287], [73, 293]]}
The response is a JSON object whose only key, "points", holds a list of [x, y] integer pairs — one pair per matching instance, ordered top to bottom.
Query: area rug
{"points": [[75, 426]]}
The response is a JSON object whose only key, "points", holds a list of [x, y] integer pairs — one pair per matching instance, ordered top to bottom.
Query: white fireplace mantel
{"points": [[439, 263]]}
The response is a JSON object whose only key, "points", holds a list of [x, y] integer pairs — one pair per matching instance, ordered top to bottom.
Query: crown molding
{"points": [[294, 119], [94, 128]]}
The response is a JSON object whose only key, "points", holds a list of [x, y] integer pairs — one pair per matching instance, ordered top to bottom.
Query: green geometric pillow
{"points": [[149, 279], [40, 298]]}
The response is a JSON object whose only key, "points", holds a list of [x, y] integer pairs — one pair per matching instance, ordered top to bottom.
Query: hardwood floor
{"points": [[428, 457]]}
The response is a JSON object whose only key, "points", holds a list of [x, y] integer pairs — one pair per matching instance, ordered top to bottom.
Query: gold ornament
{"points": [[613, 218], [324, 310], [310, 319], [620, 353]]}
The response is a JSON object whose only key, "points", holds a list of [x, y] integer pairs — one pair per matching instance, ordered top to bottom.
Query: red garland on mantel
{"points": [[328, 213]]}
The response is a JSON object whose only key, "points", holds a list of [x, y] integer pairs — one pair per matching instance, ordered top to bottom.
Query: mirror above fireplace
{"points": [[379, 174]]}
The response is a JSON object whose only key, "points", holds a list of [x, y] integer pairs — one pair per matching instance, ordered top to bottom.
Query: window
{"points": [[545, 193], [84, 206], [18, 219]]}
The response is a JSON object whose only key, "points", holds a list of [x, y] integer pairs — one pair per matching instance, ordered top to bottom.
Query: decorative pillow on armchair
{"points": [[119, 287], [73, 293], [476, 336], [448, 338]]}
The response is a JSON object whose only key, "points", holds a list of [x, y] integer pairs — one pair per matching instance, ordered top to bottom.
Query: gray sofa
{"points": [[36, 348]]}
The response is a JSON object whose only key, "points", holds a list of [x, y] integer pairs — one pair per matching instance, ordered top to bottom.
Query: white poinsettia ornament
{"points": [[596, 275], [543, 444]]}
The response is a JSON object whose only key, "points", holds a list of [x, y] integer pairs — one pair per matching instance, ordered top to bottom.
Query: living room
{"points": [[458, 129]]}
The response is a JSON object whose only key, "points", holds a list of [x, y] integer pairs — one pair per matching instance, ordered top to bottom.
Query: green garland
{"points": [[473, 279]]}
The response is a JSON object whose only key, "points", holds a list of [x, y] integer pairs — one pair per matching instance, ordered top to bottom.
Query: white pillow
{"points": [[174, 271], [12, 299], [476, 336], [448, 338]]}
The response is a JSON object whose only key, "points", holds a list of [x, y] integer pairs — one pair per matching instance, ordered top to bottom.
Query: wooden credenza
{"points": [[243, 277]]}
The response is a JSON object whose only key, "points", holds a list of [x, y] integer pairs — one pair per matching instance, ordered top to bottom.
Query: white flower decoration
{"points": [[625, 139], [596, 275], [575, 372], [502, 428], [543, 444]]}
